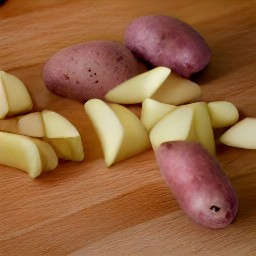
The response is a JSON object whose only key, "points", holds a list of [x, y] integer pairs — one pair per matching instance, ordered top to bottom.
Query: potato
{"points": [[166, 41], [89, 70], [198, 183]]}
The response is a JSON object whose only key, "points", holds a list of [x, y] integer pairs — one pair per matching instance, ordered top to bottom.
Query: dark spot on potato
{"points": [[119, 58], [89, 70], [66, 76], [77, 82], [96, 82], [215, 208]]}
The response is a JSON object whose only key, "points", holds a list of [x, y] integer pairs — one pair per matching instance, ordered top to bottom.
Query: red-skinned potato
{"points": [[166, 41], [89, 70], [197, 181]]}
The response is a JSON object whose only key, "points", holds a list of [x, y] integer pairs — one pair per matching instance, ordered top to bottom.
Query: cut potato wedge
{"points": [[138, 88], [177, 90], [14, 96], [152, 111], [222, 113], [202, 125], [175, 126], [120, 131], [241, 135], [63, 136], [20, 152], [48, 156]]}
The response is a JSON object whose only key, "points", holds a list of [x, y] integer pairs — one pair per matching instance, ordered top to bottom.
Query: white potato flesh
{"points": [[138, 88], [177, 90], [17, 95], [4, 108], [152, 111], [222, 113], [31, 124], [202, 125], [57, 126], [107, 126], [175, 126], [120, 131], [241, 135], [136, 138], [68, 148], [20, 152], [48, 156]]}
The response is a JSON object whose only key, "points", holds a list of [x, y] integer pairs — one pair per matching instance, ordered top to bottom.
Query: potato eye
{"points": [[215, 208]]}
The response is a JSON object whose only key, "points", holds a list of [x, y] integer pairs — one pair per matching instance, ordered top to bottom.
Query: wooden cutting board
{"points": [[88, 209]]}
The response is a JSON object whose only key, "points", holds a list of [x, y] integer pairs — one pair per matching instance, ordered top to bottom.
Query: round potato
{"points": [[167, 41], [89, 70]]}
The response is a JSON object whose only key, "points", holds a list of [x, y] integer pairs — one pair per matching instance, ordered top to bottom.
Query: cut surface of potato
{"points": [[138, 88], [177, 90], [17, 96], [3, 99], [152, 111], [222, 114], [31, 124], [202, 125], [57, 126], [107, 126], [175, 126], [120, 131], [241, 135], [63, 136], [135, 137], [68, 148], [20, 152], [48, 156]]}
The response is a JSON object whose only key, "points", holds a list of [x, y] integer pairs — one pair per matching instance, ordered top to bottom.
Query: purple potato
{"points": [[167, 41], [89, 70], [198, 182]]}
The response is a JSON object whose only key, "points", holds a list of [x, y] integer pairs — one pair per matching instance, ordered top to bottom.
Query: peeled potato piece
{"points": [[138, 88], [14, 96], [222, 113], [120, 131], [241, 135], [20, 152]]}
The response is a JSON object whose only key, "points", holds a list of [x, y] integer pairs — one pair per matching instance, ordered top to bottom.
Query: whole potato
{"points": [[166, 41], [89, 70], [198, 183]]}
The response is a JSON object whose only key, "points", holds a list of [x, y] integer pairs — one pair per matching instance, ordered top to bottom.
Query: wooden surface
{"points": [[87, 209]]}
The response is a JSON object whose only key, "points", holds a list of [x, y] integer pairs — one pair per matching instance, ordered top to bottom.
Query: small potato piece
{"points": [[166, 41], [89, 70], [198, 183]]}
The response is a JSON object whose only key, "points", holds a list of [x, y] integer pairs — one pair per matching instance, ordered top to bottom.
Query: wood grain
{"points": [[87, 209]]}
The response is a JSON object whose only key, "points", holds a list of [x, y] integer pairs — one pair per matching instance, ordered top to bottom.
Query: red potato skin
{"points": [[166, 41], [89, 70], [199, 184]]}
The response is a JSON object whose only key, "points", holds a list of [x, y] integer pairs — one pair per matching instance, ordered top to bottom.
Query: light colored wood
{"points": [[87, 209]]}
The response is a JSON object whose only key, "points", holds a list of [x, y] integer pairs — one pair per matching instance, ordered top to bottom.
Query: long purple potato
{"points": [[199, 184]]}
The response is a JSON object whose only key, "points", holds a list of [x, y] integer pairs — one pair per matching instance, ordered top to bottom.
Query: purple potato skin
{"points": [[167, 41], [89, 70], [198, 183]]}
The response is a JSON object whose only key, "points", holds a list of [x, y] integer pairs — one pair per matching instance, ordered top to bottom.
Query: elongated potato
{"points": [[166, 41], [89, 70], [198, 183]]}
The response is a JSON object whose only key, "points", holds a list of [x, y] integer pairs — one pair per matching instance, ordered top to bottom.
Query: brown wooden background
{"points": [[87, 209]]}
